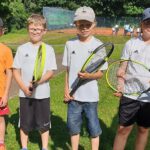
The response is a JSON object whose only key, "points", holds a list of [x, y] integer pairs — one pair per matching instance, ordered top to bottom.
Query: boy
{"points": [[6, 60], [85, 99], [34, 104], [134, 109]]}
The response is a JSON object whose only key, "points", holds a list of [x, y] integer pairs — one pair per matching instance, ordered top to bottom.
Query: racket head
{"points": [[98, 57], [38, 66], [120, 79]]}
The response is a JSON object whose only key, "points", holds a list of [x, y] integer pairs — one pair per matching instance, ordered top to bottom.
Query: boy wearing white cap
{"points": [[85, 99], [133, 109]]}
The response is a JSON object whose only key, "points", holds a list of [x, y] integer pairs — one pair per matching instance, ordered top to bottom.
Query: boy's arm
{"points": [[86, 75], [47, 76], [23, 87], [67, 97], [4, 99]]}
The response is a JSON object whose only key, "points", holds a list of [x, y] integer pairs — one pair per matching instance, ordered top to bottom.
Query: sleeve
{"points": [[126, 52], [8, 59], [50, 59], [17, 60], [65, 61]]}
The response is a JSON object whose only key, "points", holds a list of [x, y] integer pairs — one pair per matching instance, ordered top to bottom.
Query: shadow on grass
{"points": [[13, 119], [59, 134], [34, 136]]}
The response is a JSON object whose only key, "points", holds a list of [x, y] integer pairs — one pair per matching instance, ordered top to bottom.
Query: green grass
{"points": [[108, 104]]}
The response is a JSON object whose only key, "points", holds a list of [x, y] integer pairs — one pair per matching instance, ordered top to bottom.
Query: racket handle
{"points": [[34, 85], [31, 89], [73, 91]]}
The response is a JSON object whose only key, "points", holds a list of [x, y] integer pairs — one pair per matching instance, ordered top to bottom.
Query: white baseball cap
{"points": [[84, 13]]}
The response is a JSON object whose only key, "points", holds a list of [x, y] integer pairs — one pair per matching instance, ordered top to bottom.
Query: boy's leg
{"points": [[128, 110], [26, 119], [42, 119], [74, 121], [143, 122], [94, 128], [2, 129], [2, 133], [121, 137], [23, 138], [45, 138], [141, 139], [75, 141], [95, 143]]}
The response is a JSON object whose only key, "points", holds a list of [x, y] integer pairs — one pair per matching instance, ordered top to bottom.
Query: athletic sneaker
{"points": [[24, 149]]}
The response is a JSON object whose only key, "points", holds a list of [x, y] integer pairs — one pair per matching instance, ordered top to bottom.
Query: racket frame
{"points": [[124, 60], [84, 81]]}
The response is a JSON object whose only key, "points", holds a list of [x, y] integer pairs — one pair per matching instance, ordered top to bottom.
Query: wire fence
{"points": [[58, 18]]}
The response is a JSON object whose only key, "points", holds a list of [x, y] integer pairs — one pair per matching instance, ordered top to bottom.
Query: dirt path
{"points": [[14, 87]]}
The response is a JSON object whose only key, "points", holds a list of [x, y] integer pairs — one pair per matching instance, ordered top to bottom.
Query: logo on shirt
{"points": [[136, 51], [73, 52], [90, 52], [26, 55]]}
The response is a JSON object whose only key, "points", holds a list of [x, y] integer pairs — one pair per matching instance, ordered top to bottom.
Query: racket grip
{"points": [[34, 85], [31, 89], [73, 91]]}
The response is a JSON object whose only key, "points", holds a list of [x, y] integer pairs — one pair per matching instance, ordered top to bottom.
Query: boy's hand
{"points": [[84, 75], [26, 91], [117, 94], [67, 97], [3, 101]]}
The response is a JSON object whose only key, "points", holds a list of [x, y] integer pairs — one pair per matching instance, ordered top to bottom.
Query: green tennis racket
{"points": [[98, 57], [38, 66], [128, 77]]}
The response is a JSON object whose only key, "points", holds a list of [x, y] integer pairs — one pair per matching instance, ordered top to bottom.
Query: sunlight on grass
{"points": [[107, 108]]}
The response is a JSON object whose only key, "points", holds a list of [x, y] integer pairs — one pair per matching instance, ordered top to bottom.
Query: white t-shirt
{"points": [[136, 49], [75, 55], [25, 59]]}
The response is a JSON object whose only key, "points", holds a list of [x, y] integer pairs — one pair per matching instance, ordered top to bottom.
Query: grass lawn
{"points": [[59, 138]]}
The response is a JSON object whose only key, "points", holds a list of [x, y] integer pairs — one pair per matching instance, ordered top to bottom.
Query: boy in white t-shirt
{"points": [[85, 99], [34, 104], [134, 109]]}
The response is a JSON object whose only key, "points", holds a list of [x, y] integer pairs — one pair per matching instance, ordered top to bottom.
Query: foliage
{"points": [[16, 11]]}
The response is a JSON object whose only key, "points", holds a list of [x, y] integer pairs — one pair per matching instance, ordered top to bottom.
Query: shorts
{"points": [[4, 110], [133, 111], [34, 114], [75, 114]]}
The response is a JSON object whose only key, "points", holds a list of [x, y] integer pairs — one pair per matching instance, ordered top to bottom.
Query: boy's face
{"points": [[84, 28], [146, 29], [36, 33]]}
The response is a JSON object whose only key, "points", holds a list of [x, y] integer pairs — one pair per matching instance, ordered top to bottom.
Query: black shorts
{"points": [[133, 111], [34, 114]]}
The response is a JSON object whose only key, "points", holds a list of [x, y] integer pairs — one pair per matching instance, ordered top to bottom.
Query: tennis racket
{"points": [[98, 57], [38, 66], [128, 77]]}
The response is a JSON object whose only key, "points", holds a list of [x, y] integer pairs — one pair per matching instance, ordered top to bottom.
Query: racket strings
{"points": [[96, 60], [39, 62], [126, 82]]}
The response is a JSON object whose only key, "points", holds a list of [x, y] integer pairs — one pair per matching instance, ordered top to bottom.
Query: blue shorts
{"points": [[75, 114]]}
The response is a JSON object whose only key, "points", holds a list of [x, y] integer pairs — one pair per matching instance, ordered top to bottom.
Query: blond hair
{"points": [[37, 19]]}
